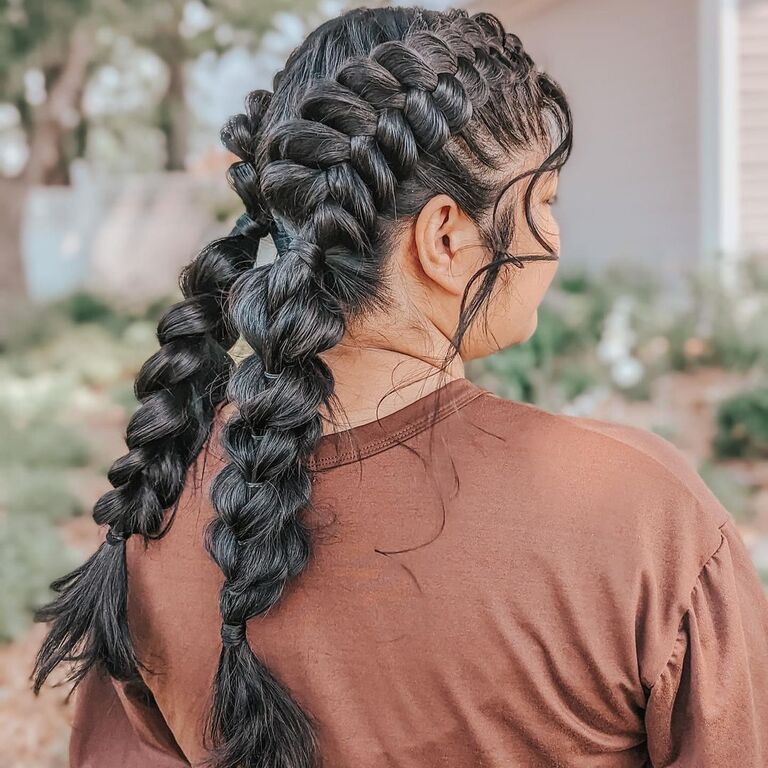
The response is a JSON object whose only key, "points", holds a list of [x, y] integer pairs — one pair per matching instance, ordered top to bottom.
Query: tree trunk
{"points": [[58, 115], [176, 122], [46, 165], [13, 193]]}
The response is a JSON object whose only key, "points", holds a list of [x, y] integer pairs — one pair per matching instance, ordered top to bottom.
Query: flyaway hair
{"points": [[374, 114]]}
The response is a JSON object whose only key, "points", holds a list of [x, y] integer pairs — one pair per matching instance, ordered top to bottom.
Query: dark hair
{"points": [[375, 113]]}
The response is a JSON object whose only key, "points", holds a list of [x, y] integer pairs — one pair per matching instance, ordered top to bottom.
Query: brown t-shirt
{"points": [[506, 587]]}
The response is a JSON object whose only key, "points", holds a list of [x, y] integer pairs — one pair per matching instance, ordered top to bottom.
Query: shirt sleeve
{"points": [[708, 707], [119, 725]]}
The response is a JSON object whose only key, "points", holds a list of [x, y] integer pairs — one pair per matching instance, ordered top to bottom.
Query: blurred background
{"points": [[112, 178]]}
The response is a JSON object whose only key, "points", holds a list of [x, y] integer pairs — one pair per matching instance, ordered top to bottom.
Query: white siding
{"points": [[630, 70], [753, 125]]}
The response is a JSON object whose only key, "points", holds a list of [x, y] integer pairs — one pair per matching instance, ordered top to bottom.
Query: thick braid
{"points": [[377, 112], [328, 176], [287, 317], [179, 389]]}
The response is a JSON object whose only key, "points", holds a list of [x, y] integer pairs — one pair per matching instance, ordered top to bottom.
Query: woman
{"points": [[410, 571]]}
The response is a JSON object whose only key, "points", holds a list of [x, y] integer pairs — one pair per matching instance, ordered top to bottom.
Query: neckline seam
{"points": [[406, 432]]}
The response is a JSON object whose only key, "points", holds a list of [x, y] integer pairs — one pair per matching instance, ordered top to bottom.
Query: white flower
{"points": [[627, 372]]}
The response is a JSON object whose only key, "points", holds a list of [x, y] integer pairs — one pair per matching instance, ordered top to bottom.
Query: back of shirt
{"points": [[501, 587]]}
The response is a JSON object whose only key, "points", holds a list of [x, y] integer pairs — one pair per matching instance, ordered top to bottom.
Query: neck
{"points": [[373, 381]]}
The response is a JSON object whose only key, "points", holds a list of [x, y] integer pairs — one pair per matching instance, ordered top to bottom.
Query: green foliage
{"points": [[35, 33], [47, 35], [575, 282], [87, 308], [154, 310], [698, 324], [28, 328], [35, 328], [718, 328], [679, 332], [554, 335], [738, 345], [78, 348], [558, 362], [63, 363], [514, 372], [577, 378], [123, 394], [742, 425], [42, 441], [37, 450], [40, 493], [733, 494], [31, 556]]}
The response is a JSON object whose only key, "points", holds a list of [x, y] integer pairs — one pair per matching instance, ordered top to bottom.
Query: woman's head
{"points": [[416, 150], [405, 163]]}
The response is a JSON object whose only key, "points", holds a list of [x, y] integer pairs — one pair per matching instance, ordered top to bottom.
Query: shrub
{"points": [[575, 281], [87, 308], [554, 335], [513, 371], [575, 380], [742, 425], [41, 442], [41, 493], [733, 494], [32, 555]]}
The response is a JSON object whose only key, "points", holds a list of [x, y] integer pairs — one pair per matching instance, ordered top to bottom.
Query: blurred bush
{"points": [[719, 328], [620, 330], [562, 360], [70, 365], [66, 370], [742, 425], [41, 441], [730, 489], [42, 493], [34, 494], [31, 556]]}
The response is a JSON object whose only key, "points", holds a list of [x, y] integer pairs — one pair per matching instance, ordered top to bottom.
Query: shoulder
{"points": [[656, 457], [647, 471], [627, 499], [619, 503]]}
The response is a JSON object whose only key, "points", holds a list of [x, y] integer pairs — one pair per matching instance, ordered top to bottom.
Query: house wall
{"points": [[630, 71], [753, 125], [125, 237]]}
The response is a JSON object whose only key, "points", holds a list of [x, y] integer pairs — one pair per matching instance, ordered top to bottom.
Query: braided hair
{"points": [[374, 114], [179, 389]]}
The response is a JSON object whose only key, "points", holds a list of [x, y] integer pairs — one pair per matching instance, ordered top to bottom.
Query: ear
{"points": [[443, 236]]}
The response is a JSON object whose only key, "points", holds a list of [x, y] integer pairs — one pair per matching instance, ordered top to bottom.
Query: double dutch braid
{"points": [[374, 114], [329, 177], [179, 389]]}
